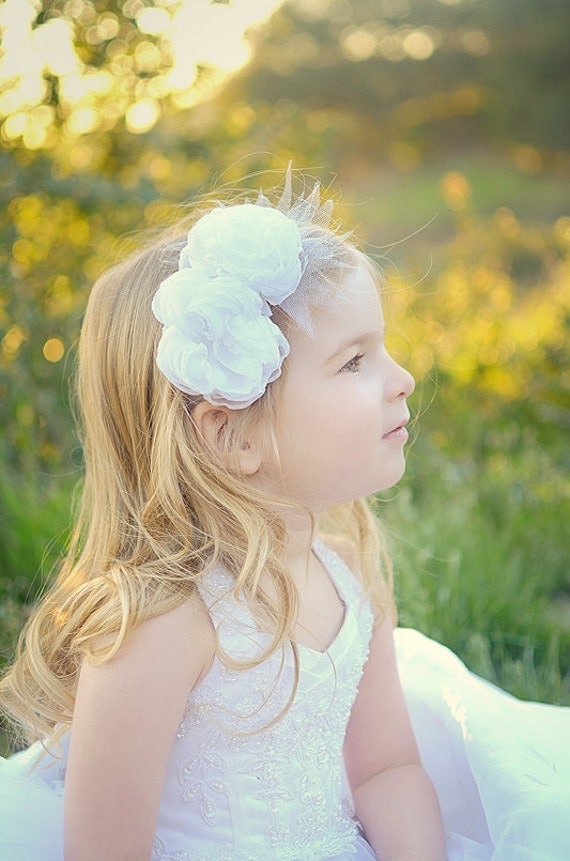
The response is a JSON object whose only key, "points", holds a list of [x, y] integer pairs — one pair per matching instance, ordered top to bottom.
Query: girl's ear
{"points": [[214, 426]]}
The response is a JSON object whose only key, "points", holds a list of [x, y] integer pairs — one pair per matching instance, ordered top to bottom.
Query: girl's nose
{"points": [[403, 383]]}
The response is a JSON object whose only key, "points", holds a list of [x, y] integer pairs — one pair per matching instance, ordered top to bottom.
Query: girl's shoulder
{"points": [[183, 633], [190, 633]]}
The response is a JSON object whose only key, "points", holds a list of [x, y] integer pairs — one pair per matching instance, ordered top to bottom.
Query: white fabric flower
{"points": [[257, 245], [218, 340]]}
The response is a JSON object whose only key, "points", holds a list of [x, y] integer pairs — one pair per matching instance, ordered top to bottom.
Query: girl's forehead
{"points": [[358, 297], [354, 314]]}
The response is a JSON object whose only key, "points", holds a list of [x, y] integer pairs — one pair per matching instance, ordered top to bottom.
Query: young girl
{"points": [[212, 676]]}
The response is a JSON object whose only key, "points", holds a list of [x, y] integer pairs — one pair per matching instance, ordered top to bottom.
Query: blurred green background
{"points": [[446, 124]]}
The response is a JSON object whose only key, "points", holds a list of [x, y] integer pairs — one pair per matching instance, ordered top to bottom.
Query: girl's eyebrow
{"points": [[359, 341]]}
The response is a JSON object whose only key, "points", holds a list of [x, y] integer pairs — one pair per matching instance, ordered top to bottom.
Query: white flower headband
{"points": [[218, 340]]}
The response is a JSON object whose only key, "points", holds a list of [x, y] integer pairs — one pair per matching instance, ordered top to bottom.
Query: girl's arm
{"points": [[126, 715], [394, 799]]}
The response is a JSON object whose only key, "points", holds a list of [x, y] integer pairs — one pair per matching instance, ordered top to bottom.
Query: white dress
{"points": [[247, 783]]}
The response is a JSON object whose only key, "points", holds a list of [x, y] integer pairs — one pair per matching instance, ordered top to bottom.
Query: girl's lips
{"points": [[399, 433]]}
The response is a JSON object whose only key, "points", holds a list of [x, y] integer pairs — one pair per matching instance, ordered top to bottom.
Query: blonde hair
{"points": [[157, 510]]}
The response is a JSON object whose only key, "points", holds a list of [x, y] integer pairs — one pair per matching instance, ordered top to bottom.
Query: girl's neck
{"points": [[297, 552]]}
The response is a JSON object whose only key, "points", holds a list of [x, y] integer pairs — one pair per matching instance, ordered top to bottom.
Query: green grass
{"points": [[396, 203], [34, 517], [34, 520], [481, 565]]}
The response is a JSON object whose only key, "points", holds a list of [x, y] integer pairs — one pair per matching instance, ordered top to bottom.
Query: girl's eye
{"points": [[353, 366]]}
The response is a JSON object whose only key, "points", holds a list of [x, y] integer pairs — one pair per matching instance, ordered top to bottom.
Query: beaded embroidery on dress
{"points": [[238, 760]]}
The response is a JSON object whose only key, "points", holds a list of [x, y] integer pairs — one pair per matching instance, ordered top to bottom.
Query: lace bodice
{"points": [[246, 782]]}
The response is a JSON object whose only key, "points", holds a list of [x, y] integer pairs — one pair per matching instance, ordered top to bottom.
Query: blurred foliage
{"points": [[73, 67], [378, 72], [427, 72], [456, 107], [493, 314]]}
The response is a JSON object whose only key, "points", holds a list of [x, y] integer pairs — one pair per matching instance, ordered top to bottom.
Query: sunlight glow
{"points": [[193, 34], [212, 35], [142, 115]]}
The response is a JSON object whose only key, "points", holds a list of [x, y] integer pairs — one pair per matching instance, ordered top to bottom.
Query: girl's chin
{"points": [[392, 481], [380, 487]]}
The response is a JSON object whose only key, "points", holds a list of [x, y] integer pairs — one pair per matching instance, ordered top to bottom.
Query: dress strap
{"points": [[342, 577], [216, 588]]}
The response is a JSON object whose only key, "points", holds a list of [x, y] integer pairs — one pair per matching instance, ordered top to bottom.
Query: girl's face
{"points": [[341, 410]]}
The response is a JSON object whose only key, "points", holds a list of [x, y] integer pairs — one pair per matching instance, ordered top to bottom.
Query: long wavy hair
{"points": [[156, 509]]}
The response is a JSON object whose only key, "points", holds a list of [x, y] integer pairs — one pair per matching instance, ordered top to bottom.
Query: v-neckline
{"points": [[320, 550], [330, 560]]}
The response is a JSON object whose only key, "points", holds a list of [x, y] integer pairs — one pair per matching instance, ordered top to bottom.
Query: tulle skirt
{"points": [[500, 766], [501, 769]]}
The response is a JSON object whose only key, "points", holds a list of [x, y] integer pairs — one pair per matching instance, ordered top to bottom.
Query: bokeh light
{"points": [[185, 37], [53, 350]]}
